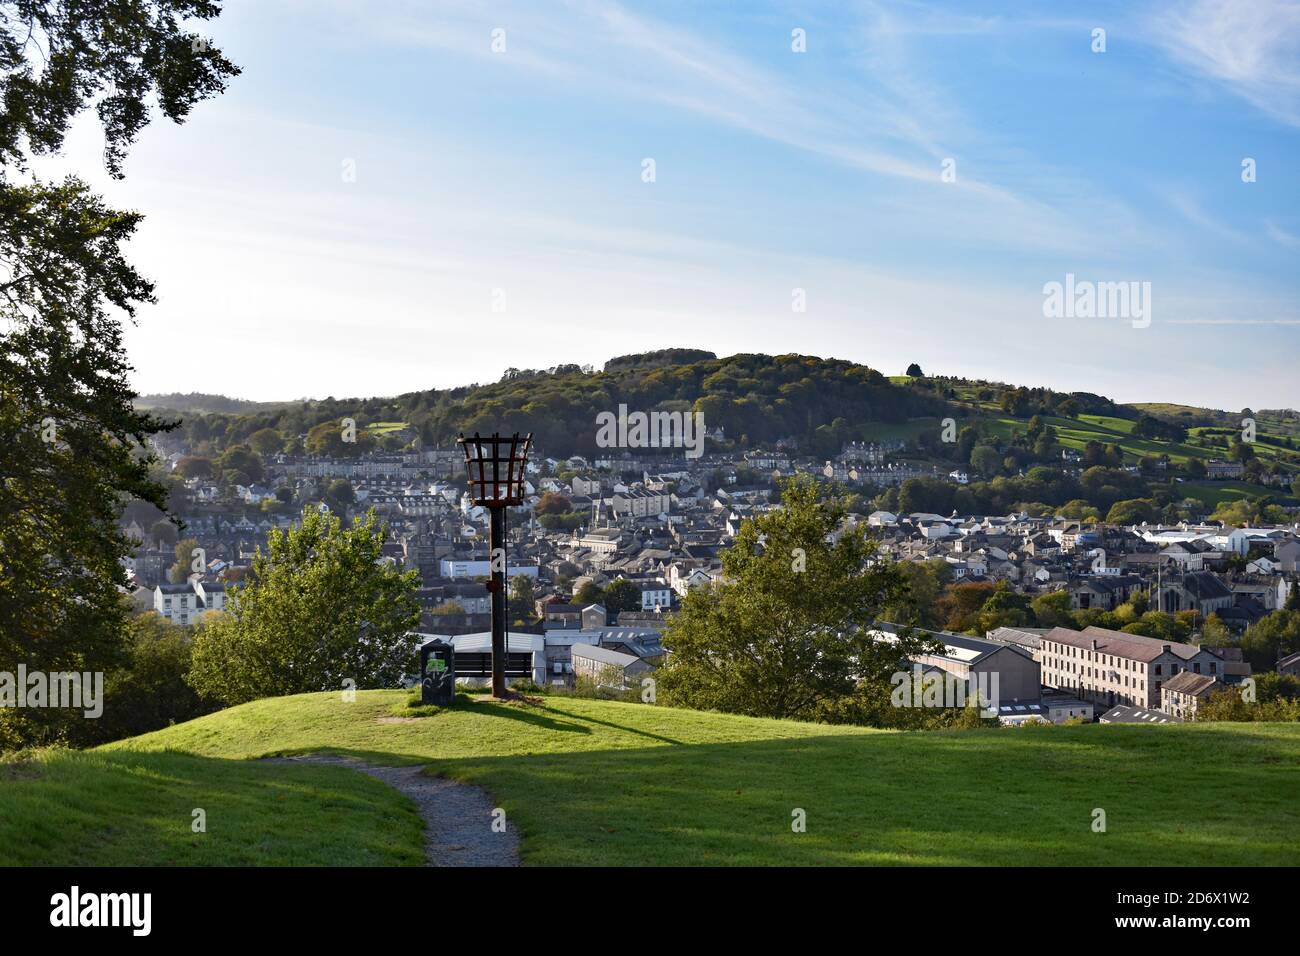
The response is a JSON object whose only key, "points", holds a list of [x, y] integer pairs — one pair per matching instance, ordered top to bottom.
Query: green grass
{"points": [[384, 428], [895, 431], [1075, 433], [1215, 492], [601, 782], [123, 808]]}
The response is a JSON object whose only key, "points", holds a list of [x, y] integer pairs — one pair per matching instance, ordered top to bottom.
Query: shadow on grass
{"points": [[529, 714], [538, 717], [967, 799]]}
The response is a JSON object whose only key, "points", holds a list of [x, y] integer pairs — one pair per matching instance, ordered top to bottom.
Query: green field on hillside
{"points": [[385, 428], [896, 431], [1075, 433], [1215, 492], [597, 782]]}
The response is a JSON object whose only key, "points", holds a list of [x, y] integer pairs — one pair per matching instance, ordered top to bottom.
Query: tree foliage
{"points": [[70, 440], [319, 608], [787, 632]]}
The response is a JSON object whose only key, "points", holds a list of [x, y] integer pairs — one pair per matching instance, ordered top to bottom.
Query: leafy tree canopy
{"points": [[319, 608], [787, 633]]}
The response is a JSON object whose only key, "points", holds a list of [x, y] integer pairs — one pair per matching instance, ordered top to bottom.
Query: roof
{"points": [[1109, 582], [1205, 585], [1030, 637], [480, 642], [1131, 646], [958, 647], [603, 655], [1188, 683], [1124, 714]]}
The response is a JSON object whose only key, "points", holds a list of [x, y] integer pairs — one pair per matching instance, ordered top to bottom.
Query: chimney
{"points": [[1094, 643], [1165, 648]]}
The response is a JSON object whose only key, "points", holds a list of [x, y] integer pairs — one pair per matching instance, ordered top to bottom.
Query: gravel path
{"points": [[457, 817]]}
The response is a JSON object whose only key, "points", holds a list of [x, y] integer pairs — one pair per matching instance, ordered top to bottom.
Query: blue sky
{"points": [[521, 171]]}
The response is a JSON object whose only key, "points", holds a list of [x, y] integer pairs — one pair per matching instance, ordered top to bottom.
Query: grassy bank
{"points": [[596, 782]]}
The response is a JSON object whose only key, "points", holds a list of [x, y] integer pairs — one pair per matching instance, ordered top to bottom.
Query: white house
{"points": [[187, 603]]}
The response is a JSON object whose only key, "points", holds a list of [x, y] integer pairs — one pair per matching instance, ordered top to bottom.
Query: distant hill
{"points": [[659, 359], [810, 402], [203, 403], [812, 405]]}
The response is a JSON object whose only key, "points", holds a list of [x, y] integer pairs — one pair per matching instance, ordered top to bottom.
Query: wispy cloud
{"points": [[1252, 47], [891, 125], [1190, 208], [1280, 235]]}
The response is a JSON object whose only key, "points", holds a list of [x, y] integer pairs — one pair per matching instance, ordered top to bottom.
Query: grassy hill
{"points": [[597, 782]]}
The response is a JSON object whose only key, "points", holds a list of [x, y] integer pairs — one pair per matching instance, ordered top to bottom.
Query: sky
{"points": [[399, 195]]}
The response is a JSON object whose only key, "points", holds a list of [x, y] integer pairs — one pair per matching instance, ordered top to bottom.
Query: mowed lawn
{"points": [[597, 782], [124, 808]]}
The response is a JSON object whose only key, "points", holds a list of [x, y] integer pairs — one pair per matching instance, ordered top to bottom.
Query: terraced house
{"points": [[1111, 667]]}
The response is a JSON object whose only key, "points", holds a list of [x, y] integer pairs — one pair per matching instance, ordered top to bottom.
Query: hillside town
{"points": [[604, 549]]}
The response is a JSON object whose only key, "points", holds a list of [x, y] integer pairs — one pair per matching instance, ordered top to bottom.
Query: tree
{"points": [[914, 370], [337, 439], [70, 440], [265, 441], [1241, 451], [243, 460], [985, 460], [195, 466], [340, 494], [552, 503], [1132, 511], [163, 532], [180, 572], [924, 583], [589, 593], [621, 595], [523, 600], [963, 602], [1004, 608], [318, 609], [1052, 609], [1155, 624], [786, 633], [1215, 633], [1271, 637], [149, 691], [1229, 705]]}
